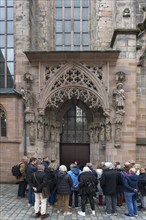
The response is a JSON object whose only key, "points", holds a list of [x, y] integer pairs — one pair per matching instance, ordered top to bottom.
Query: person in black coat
{"points": [[31, 168], [51, 173], [38, 181], [109, 182], [63, 184], [142, 187], [87, 189]]}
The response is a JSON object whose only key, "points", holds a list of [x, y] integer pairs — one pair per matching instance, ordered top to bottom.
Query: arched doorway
{"points": [[74, 140]]}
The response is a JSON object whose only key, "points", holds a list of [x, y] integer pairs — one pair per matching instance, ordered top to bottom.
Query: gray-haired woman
{"points": [[64, 183], [87, 189]]}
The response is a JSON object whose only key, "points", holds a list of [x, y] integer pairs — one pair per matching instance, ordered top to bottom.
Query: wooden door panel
{"points": [[74, 152]]}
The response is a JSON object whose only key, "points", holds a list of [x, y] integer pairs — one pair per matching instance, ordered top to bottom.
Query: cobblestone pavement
{"points": [[12, 208]]}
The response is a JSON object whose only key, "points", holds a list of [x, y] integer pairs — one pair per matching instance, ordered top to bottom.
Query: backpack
{"points": [[16, 170], [91, 187]]}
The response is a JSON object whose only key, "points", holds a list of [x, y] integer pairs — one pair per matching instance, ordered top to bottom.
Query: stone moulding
{"points": [[123, 32]]}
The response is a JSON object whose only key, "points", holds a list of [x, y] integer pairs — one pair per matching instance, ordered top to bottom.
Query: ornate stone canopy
{"points": [[74, 81]]}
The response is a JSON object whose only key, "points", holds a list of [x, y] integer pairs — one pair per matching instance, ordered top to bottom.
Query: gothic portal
{"points": [[75, 106]]}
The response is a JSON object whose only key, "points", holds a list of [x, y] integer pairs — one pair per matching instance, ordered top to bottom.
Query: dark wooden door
{"points": [[74, 152]]}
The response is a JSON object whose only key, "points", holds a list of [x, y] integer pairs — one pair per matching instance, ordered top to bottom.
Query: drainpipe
{"points": [[24, 131]]}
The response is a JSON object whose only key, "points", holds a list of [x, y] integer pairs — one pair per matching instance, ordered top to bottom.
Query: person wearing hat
{"points": [[109, 182]]}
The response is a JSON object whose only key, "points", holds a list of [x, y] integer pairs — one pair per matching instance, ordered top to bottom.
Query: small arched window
{"points": [[3, 123]]}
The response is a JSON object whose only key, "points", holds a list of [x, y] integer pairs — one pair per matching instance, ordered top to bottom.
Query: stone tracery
{"points": [[74, 77], [79, 93]]}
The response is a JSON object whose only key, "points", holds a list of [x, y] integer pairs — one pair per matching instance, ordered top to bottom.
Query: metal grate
{"points": [[75, 127]]}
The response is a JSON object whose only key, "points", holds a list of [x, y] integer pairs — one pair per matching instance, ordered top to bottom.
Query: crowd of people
{"points": [[111, 183]]}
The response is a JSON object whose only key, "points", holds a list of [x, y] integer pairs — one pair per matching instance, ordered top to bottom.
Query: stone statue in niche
{"points": [[27, 97], [119, 97], [119, 117], [40, 131], [108, 132], [32, 133], [47, 133], [52, 133], [102, 133], [58, 134], [118, 134], [91, 135], [96, 135], [117, 137]]}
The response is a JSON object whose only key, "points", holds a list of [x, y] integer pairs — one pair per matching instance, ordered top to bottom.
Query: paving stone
{"points": [[12, 208]]}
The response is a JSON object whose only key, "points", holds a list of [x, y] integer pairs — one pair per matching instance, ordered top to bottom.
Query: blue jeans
{"points": [[22, 188], [31, 196], [52, 198], [131, 202], [111, 203]]}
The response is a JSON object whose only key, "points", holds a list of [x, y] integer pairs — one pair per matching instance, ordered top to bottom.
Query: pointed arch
{"points": [[74, 80]]}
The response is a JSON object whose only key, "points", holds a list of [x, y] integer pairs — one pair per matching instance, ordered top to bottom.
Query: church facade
{"points": [[72, 81]]}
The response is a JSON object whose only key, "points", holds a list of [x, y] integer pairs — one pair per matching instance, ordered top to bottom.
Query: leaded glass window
{"points": [[72, 28], [6, 44], [75, 127], [3, 132]]}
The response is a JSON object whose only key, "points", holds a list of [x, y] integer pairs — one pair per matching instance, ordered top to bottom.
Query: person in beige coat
{"points": [[22, 183]]}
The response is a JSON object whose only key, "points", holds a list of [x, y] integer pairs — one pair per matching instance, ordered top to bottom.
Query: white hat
{"points": [[109, 165], [63, 168], [86, 169]]}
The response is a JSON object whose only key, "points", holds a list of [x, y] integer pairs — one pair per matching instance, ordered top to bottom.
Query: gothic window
{"points": [[72, 25], [6, 44], [75, 128], [3, 132]]}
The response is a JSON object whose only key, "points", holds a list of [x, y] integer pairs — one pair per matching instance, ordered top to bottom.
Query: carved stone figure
{"points": [[120, 77], [27, 97], [119, 97], [40, 131], [47, 132], [108, 132], [32, 133], [52, 133], [102, 133], [58, 134], [118, 134], [91, 135], [96, 135]]}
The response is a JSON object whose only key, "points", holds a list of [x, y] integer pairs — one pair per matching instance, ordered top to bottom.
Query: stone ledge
{"points": [[123, 31], [45, 56], [141, 141]]}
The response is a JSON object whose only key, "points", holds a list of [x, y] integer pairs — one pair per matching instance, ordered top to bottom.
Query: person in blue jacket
{"points": [[74, 172], [130, 189]]}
